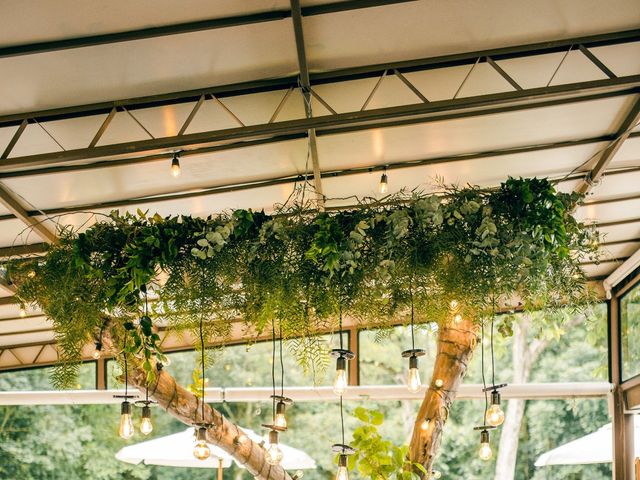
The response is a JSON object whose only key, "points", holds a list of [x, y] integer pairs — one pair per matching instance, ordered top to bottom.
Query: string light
{"points": [[175, 165], [383, 186], [23, 312], [97, 353], [341, 355], [413, 377], [439, 383], [424, 425], [125, 428], [201, 450], [343, 450], [485, 453]]}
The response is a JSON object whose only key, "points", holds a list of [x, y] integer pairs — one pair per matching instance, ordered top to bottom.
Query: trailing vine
{"points": [[299, 268]]}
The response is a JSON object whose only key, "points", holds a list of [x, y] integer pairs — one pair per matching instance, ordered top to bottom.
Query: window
{"points": [[629, 331], [40, 378]]}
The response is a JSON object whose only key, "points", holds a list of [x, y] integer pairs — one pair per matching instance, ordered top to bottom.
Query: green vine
{"points": [[301, 268]]}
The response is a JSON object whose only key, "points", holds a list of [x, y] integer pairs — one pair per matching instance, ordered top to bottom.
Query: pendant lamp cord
{"points": [[146, 312], [340, 325], [201, 332], [413, 342], [281, 361], [493, 368], [273, 369], [484, 382], [342, 420]]}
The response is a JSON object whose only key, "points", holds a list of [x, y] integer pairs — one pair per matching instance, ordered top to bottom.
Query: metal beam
{"points": [[296, 16], [182, 28], [344, 74], [434, 111], [629, 122], [219, 189], [7, 198]]}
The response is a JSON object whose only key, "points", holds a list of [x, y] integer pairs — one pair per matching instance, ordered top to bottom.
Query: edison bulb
{"points": [[175, 167], [383, 186], [97, 354], [413, 380], [340, 381], [495, 416], [280, 421], [146, 427], [125, 429], [201, 451], [485, 452], [273, 455], [342, 473]]}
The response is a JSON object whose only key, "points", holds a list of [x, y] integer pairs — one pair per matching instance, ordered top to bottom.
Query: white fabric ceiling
{"points": [[416, 152]]}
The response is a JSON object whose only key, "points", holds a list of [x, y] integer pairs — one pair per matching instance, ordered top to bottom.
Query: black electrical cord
{"points": [[201, 332], [413, 342], [281, 361], [273, 370], [484, 382], [342, 420]]}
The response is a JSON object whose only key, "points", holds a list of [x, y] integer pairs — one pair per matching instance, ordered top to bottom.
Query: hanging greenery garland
{"points": [[299, 267]]}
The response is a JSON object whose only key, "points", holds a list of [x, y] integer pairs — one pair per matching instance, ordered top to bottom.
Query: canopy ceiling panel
{"points": [[41, 20], [430, 28], [147, 67], [489, 132], [628, 155], [242, 165], [257, 199], [621, 231], [14, 232], [601, 270]]}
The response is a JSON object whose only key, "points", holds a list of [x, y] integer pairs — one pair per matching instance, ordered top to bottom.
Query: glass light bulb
{"points": [[175, 167], [383, 187], [453, 304], [23, 312], [457, 318], [97, 354], [413, 380], [340, 382], [439, 383], [495, 416], [280, 421], [425, 424], [126, 426], [146, 427], [201, 451], [485, 452], [273, 455], [342, 473], [436, 474]]}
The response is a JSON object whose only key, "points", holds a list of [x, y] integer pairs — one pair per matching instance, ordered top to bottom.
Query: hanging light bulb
{"points": [[175, 165], [383, 186], [454, 304], [23, 312], [97, 353], [413, 377], [340, 381], [495, 414], [280, 419], [146, 427], [125, 429], [201, 451], [485, 452], [274, 454], [343, 471]]}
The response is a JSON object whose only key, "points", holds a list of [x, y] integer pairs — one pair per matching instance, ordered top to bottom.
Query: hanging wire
{"points": [[146, 312], [201, 328], [340, 328], [413, 342], [281, 361], [126, 368], [493, 368], [273, 370], [484, 382], [342, 420]]}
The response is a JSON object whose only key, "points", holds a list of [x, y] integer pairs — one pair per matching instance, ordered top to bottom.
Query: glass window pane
{"points": [[629, 334], [250, 365], [40, 378]]}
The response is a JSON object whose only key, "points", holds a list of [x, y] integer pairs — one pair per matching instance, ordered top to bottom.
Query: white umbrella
{"points": [[593, 448], [177, 451]]}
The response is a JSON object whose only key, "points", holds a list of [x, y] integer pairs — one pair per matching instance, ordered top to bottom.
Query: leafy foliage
{"points": [[304, 270], [376, 458]]}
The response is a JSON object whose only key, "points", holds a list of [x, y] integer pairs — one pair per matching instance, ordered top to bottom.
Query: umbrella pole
{"points": [[219, 469]]}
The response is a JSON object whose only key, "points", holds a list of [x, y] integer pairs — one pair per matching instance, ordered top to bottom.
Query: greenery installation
{"points": [[453, 258]]}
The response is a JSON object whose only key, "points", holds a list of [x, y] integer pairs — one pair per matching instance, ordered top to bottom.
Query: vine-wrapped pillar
{"points": [[456, 342]]}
